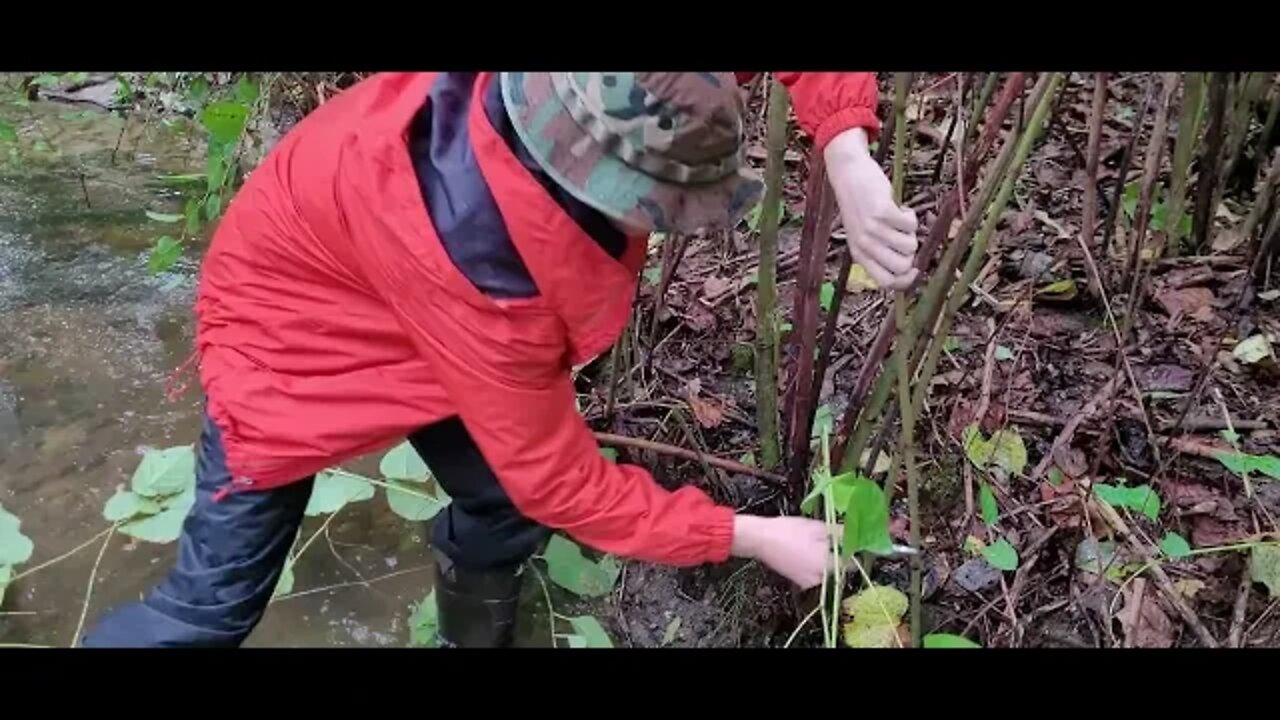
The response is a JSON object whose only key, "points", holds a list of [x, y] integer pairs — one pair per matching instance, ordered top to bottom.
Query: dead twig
{"points": [[1063, 441], [663, 448], [1235, 638]]}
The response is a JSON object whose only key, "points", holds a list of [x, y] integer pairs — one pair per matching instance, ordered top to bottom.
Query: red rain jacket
{"points": [[331, 323]]}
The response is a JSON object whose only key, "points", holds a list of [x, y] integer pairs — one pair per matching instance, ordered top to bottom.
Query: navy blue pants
{"points": [[231, 552]]}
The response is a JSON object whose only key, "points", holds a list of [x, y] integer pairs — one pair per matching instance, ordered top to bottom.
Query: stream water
{"points": [[88, 340]]}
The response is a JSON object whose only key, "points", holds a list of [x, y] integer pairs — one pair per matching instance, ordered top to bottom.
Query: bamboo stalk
{"points": [[1249, 86], [984, 97], [1042, 99], [1269, 126], [1183, 149], [1126, 162], [1210, 162], [1146, 196], [1262, 201], [820, 209], [1089, 211], [938, 233], [767, 280], [902, 354]]}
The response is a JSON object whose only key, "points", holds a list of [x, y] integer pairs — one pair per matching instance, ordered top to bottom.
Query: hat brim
{"points": [[579, 164]]}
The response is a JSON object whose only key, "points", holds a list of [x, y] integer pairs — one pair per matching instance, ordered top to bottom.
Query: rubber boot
{"points": [[476, 609]]}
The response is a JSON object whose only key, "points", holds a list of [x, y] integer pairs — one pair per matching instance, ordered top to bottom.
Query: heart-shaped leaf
{"points": [[402, 462], [165, 472], [333, 490], [1139, 498], [987, 501], [412, 503], [125, 505], [866, 519], [1175, 546], [15, 548], [1001, 555], [571, 570], [424, 623], [591, 631], [945, 640]]}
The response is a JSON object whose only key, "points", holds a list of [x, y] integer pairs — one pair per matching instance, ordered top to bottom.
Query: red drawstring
{"points": [[173, 393]]}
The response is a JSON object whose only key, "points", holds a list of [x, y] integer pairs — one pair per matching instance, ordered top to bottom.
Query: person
{"points": [[429, 255]]}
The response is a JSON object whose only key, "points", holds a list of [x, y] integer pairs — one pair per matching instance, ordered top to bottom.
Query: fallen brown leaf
{"points": [[714, 286], [1185, 302], [1164, 377], [1145, 623]]}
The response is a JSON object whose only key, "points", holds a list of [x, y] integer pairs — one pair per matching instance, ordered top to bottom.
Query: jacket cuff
{"points": [[847, 119], [719, 529]]}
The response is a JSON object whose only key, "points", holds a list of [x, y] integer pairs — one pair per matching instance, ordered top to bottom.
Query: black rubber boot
{"points": [[476, 609]]}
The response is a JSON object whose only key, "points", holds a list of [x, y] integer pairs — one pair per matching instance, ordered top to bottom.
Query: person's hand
{"points": [[882, 236], [797, 548]]}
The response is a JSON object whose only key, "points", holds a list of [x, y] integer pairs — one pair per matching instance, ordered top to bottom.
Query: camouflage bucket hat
{"points": [[658, 150]]}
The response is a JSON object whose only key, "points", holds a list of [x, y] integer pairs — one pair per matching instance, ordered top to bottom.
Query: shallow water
{"points": [[88, 340]]}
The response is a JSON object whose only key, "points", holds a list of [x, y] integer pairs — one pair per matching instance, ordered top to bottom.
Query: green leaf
{"points": [[76, 78], [46, 80], [198, 92], [246, 92], [224, 120], [8, 133], [41, 146], [215, 166], [187, 179], [1130, 201], [213, 207], [191, 211], [163, 217], [164, 254], [653, 275], [1064, 289], [826, 295], [952, 344], [1253, 349], [1003, 354], [1005, 449], [609, 454], [748, 458], [402, 462], [1237, 462], [1268, 465], [165, 472], [1056, 478], [842, 489], [333, 490], [1140, 498], [987, 501], [411, 503], [125, 505], [866, 520], [163, 527], [1175, 546], [15, 548], [1001, 555], [1264, 567], [571, 570], [284, 585], [424, 623], [590, 629], [935, 641]]}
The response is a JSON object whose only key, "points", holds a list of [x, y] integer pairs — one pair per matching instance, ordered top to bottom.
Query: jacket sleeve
{"points": [[828, 103], [505, 372]]}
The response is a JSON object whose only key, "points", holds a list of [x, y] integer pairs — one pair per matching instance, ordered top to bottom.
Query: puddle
{"points": [[88, 339]]}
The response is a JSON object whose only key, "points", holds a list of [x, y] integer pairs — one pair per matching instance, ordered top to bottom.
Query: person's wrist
{"points": [[848, 147], [746, 536]]}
